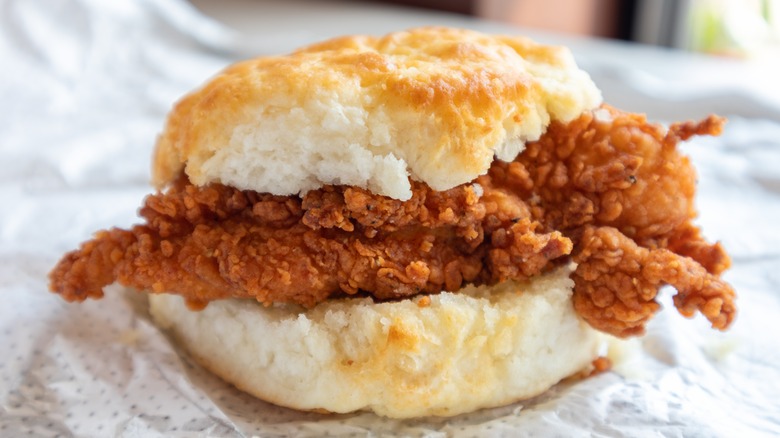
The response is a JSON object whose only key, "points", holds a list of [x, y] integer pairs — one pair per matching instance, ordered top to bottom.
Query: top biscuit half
{"points": [[432, 104]]}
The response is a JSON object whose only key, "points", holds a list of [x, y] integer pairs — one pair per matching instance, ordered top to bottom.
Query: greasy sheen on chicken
{"points": [[609, 191]]}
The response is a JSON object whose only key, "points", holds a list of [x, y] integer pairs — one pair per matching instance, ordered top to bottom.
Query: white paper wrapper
{"points": [[85, 87]]}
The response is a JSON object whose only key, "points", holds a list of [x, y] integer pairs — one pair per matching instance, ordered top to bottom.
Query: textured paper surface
{"points": [[85, 86]]}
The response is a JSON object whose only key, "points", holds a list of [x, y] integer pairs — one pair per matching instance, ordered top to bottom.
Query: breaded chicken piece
{"points": [[608, 188], [619, 188], [218, 242], [616, 283]]}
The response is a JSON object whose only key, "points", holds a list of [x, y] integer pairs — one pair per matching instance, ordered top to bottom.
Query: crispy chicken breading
{"points": [[608, 190], [624, 194], [218, 242]]}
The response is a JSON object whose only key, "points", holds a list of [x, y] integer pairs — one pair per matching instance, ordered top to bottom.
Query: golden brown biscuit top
{"points": [[434, 104]]}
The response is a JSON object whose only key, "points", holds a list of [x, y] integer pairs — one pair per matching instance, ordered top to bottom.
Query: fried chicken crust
{"points": [[620, 189], [608, 190], [218, 242], [616, 282]]}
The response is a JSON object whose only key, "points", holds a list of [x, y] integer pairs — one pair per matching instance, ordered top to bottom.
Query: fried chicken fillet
{"points": [[608, 190]]}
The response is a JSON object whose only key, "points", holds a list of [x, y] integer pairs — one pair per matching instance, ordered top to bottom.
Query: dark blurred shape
{"points": [[465, 7], [626, 20], [660, 22]]}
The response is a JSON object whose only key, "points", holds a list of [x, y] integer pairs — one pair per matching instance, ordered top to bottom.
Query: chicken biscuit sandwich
{"points": [[426, 223]]}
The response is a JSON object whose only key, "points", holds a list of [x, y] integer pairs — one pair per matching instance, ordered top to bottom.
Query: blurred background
{"points": [[733, 28], [739, 28]]}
